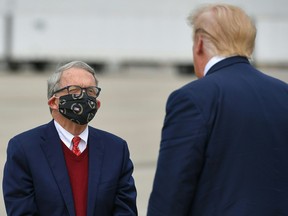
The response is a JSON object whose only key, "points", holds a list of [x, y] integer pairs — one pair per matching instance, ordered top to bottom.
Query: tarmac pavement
{"points": [[132, 107]]}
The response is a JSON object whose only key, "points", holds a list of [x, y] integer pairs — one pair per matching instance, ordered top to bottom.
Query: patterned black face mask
{"points": [[80, 109]]}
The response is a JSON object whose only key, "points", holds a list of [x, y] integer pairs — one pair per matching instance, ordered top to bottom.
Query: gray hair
{"points": [[54, 80]]}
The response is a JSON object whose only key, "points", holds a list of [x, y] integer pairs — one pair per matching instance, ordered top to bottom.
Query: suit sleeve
{"points": [[180, 157], [17, 182], [125, 200]]}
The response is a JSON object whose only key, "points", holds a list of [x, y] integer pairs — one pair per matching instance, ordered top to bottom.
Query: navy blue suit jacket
{"points": [[224, 146], [36, 181]]}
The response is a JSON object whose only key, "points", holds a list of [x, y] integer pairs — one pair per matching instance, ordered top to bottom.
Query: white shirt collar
{"points": [[211, 62], [67, 137]]}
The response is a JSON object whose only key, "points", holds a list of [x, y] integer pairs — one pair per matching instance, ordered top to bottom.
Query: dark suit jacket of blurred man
{"points": [[228, 134], [38, 153]]}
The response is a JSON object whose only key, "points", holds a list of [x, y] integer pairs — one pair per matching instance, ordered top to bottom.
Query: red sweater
{"points": [[77, 167]]}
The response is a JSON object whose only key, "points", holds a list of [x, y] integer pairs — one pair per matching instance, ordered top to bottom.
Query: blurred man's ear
{"points": [[199, 45], [52, 102], [98, 104]]}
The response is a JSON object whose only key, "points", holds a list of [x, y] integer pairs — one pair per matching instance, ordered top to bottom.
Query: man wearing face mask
{"points": [[66, 167]]}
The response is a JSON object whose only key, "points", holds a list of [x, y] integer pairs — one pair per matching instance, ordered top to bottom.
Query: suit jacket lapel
{"points": [[96, 148], [53, 150]]}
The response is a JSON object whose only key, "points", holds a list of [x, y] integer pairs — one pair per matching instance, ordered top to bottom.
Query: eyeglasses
{"points": [[92, 91]]}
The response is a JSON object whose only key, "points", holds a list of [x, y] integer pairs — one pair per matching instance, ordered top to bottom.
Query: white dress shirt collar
{"points": [[211, 62], [67, 137]]}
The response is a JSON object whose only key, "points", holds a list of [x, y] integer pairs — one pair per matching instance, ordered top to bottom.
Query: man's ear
{"points": [[199, 45], [52, 102], [98, 104]]}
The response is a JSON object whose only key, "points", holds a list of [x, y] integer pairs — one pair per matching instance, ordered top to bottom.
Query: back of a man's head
{"points": [[226, 29]]}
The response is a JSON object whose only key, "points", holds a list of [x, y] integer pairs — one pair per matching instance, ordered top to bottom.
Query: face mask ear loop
{"points": [[55, 96]]}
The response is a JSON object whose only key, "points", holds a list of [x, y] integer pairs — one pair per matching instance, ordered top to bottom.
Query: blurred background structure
{"points": [[114, 33], [138, 48]]}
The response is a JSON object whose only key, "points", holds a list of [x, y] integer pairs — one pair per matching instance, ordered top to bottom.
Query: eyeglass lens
{"points": [[91, 91]]}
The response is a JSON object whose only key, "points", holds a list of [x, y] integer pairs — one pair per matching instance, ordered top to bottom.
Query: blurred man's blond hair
{"points": [[227, 30]]}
